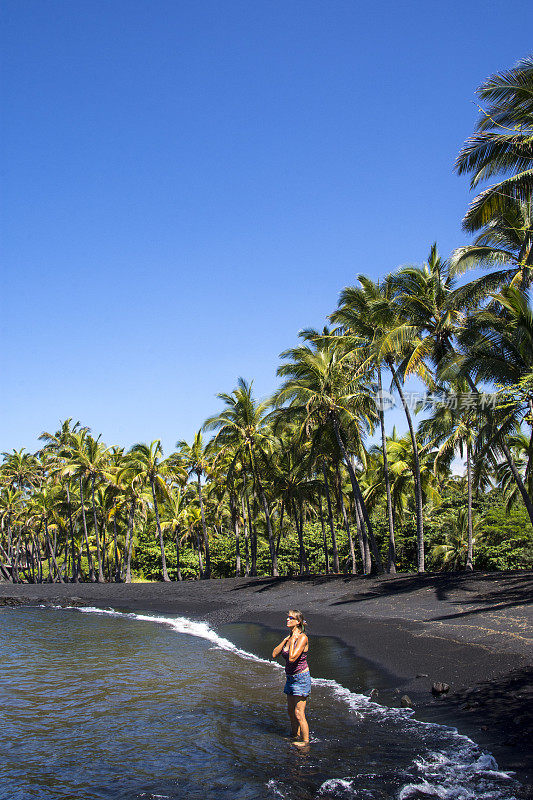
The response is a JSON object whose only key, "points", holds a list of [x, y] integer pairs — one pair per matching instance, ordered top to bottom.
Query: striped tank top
{"points": [[293, 667]]}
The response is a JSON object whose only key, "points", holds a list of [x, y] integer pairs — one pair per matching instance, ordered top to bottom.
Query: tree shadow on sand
{"points": [[264, 584], [488, 590]]}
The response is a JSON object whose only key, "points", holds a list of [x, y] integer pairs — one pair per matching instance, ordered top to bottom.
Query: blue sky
{"points": [[188, 184]]}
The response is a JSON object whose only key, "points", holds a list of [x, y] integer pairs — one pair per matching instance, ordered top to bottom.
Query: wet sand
{"points": [[473, 632]]}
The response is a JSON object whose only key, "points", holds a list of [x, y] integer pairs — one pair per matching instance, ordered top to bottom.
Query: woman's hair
{"points": [[300, 617]]}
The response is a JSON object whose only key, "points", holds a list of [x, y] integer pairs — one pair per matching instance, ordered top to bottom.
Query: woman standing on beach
{"points": [[294, 649]]}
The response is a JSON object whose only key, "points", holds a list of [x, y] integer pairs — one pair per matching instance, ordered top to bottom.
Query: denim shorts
{"points": [[299, 684]]}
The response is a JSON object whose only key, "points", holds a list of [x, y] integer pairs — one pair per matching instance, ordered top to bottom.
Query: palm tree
{"points": [[502, 145], [503, 245], [365, 313], [429, 316], [497, 348], [322, 389], [241, 426], [454, 430], [57, 442], [521, 447], [86, 458], [195, 461], [289, 467], [226, 468], [20, 469], [151, 470], [11, 504], [43, 509], [174, 518], [454, 552]]}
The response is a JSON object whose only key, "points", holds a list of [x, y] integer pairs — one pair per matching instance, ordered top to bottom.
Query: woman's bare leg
{"points": [[291, 705], [299, 712]]}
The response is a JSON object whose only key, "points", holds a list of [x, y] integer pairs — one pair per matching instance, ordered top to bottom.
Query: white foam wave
{"points": [[202, 630], [458, 775], [274, 785], [337, 786]]}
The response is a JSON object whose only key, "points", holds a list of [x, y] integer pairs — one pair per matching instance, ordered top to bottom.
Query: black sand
{"points": [[472, 632]]}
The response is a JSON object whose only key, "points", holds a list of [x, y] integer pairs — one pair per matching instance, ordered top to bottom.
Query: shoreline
{"points": [[471, 631]]}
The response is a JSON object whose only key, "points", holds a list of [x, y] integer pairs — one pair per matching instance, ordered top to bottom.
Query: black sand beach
{"points": [[472, 632]]}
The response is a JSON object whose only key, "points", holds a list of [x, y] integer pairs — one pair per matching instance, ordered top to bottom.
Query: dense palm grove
{"points": [[291, 485]]}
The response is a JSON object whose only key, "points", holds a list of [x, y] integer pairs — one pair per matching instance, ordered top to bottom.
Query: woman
{"points": [[294, 649]]}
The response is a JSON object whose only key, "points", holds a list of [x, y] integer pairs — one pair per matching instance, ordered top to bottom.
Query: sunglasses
{"points": [[290, 617]]}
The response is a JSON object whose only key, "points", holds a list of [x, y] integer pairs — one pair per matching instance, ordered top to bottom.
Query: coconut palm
{"points": [[502, 145], [503, 246], [365, 313], [428, 318], [497, 348], [322, 387], [242, 427], [453, 429], [57, 443], [521, 446], [86, 459], [195, 461], [20, 469], [150, 469], [289, 471], [11, 505], [43, 509], [174, 519], [453, 553]]}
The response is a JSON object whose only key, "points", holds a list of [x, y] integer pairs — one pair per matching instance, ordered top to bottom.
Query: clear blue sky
{"points": [[185, 185]]}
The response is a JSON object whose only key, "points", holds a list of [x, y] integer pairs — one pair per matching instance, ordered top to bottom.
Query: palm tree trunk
{"points": [[416, 473], [516, 475], [518, 480], [358, 495], [346, 522], [235, 526], [280, 530], [160, 534], [9, 536], [253, 537], [324, 537], [362, 539], [271, 543], [246, 544], [128, 545], [115, 546], [52, 555], [89, 555], [470, 555], [302, 556], [39, 557], [15, 559], [66, 559], [391, 560], [305, 561], [200, 564], [34, 567], [336, 567], [3, 568], [207, 573], [75, 576], [179, 576], [101, 578]]}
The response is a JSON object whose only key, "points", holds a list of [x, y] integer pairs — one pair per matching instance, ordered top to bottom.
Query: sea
{"points": [[98, 704]]}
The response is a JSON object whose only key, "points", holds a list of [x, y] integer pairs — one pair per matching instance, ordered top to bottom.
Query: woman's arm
{"points": [[297, 647], [277, 650]]}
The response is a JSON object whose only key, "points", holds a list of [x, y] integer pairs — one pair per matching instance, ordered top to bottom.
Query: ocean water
{"points": [[104, 704]]}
